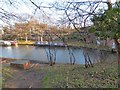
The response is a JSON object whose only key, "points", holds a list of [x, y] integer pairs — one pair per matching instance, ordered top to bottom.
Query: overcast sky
{"points": [[25, 7]]}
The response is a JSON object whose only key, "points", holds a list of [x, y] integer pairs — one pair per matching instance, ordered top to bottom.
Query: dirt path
{"points": [[25, 79]]}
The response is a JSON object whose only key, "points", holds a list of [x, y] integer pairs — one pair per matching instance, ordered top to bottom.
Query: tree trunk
{"points": [[109, 4], [118, 49], [118, 52], [88, 62]]}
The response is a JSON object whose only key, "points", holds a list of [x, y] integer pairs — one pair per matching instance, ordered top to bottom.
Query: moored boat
{"points": [[6, 43], [14, 43], [45, 43]]}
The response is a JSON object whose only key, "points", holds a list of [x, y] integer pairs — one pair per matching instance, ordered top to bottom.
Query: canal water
{"points": [[62, 54]]}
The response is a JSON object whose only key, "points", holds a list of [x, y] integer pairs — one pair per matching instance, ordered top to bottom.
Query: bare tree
{"points": [[79, 14], [5, 15], [78, 17], [51, 53], [72, 58]]}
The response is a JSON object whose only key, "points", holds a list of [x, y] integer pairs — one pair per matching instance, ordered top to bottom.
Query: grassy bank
{"points": [[92, 46], [6, 73], [103, 75]]}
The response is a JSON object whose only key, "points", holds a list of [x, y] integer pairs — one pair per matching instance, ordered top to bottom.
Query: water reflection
{"points": [[62, 54]]}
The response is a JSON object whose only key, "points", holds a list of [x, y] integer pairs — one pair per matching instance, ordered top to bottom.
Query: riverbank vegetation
{"points": [[64, 76]]}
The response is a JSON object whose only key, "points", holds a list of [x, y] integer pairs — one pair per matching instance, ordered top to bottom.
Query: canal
{"points": [[62, 54]]}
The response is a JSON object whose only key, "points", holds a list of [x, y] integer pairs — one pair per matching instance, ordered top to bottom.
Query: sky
{"points": [[25, 7]]}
